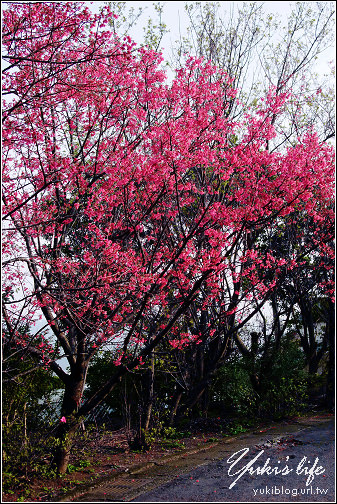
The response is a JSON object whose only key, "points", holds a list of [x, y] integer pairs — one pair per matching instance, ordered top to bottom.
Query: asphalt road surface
{"points": [[296, 468]]}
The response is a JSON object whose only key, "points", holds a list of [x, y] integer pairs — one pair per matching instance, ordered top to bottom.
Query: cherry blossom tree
{"points": [[125, 197]]}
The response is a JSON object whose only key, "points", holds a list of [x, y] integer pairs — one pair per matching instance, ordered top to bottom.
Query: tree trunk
{"points": [[150, 386], [194, 395], [177, 398], [205, 399], [67, 429], [65, 436], [25, 437], [140, 442]]}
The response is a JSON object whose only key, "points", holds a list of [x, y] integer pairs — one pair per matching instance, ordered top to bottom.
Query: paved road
{"points": [[299, 467]]}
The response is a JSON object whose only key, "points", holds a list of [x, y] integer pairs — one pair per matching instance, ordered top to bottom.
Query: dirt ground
{"points": [[103, 453], [102, 456]]}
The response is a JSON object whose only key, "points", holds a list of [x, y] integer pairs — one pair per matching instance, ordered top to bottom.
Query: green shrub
{"points": [[283, 384], [30, 409]]}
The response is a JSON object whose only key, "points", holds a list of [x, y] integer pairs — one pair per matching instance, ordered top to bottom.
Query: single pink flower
{"points": [[63, 419]]}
